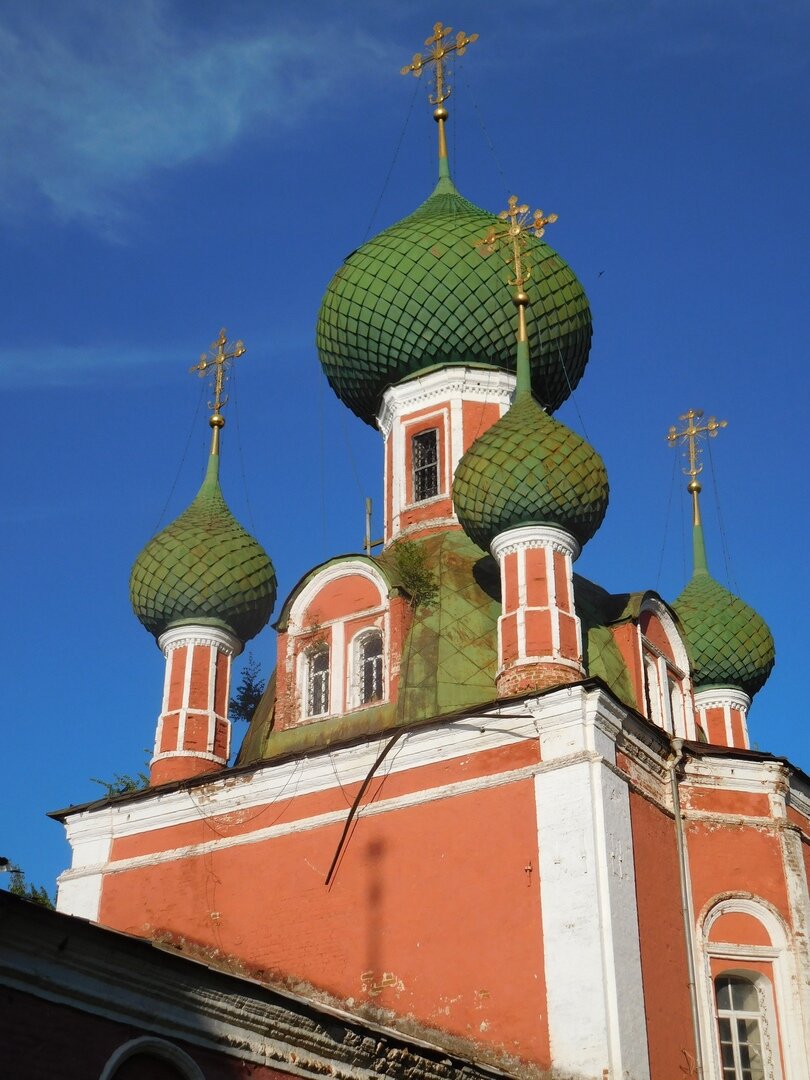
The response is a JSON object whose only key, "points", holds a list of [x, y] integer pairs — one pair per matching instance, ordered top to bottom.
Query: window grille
{"points": [[425, 456], [371, 668], [318, 682], [739, 1015]]}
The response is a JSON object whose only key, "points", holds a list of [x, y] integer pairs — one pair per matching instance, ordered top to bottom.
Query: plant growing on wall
{"points": [[415, 573]]}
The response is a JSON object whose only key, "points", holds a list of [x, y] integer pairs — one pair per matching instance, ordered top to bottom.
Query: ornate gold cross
{"points": [[439, 50], [436, 56], [519, 224], [516, 235], [220, 360], [691, 436]]}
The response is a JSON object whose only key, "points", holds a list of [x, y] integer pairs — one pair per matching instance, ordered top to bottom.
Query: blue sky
{"points": [[174, 167]]}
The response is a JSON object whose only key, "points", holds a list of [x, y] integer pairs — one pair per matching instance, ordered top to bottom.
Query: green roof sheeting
{"points": [[424, 294], [529, 469], [204, 568], [728, 643], [450, 658]]}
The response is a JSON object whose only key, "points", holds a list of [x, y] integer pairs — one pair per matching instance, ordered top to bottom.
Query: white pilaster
{"points": [[596, 1013]]}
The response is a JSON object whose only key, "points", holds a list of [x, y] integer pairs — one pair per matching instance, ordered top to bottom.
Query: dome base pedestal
{"points": [[539, 634], [541, 675], [722, 713], [193, 731]]}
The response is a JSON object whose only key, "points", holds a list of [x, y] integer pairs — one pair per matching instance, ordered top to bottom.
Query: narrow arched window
{"points": [[425, 464], [370, 668], [317, 687], [739, 1023]]}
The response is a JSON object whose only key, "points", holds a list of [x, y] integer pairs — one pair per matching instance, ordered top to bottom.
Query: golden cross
{"points": [[439, 50], [436, 56], [514, 236], [220, 360], [691, 436]]}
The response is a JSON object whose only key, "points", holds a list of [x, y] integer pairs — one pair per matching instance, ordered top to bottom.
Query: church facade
{"points": [[482, 797]]}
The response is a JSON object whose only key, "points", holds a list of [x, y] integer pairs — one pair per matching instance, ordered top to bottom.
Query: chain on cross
{"points": [[439, 50], [515, 237], [220, 360]]}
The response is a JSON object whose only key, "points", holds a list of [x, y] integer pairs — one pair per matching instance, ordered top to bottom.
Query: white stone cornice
{"points": [[469, 383], [534, 536], [192, 634], [718, 697], [736, 774]]}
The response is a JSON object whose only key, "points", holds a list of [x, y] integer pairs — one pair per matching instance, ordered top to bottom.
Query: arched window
{"points": [[369, 670], [317, 684], [739, 1023], [150, 1058]]}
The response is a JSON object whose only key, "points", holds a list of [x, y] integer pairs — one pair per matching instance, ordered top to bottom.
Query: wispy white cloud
{"points": [[96, 97], [61, 366]]}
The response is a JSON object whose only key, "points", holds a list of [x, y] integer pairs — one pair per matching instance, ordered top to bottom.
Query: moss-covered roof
{"points": [[423, 293], [528, 468], [204, 568], [451, 653]]}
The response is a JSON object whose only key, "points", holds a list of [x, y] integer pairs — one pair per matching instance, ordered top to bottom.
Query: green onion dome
{"points": [[424, 294], [529, 469], [204, 568], [728, 643]]}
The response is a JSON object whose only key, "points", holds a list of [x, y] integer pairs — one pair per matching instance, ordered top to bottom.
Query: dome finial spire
{"points": [[439, 50], [512, 237], [220, 360], [690, 438]]}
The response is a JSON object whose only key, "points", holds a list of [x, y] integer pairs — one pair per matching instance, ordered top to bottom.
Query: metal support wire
{"points": [[486, 135], [393, 163], [234, 385], [182, 460], [666, 522], [730, 580]]}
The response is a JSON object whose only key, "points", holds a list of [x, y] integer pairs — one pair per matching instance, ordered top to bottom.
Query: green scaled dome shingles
{"points": [[423, 294], [529, 469], [204, 568], [728, 643]]}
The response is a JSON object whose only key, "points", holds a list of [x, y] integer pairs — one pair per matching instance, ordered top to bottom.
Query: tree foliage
{"points": [[249, 692], [123, 783], [20, 887]]}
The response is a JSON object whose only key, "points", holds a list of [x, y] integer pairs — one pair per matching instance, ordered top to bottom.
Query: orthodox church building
{"points": [[482, 798]]}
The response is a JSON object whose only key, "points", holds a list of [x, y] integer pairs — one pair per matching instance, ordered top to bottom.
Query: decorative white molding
{"points": [[469, 383], [534, 536], [333, 572], [658, 608], [212, 636], [718, 697], [737, 774], [782, 999]]}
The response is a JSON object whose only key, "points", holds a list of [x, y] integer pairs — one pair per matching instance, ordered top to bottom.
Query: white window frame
{"points": [[308, 655], [355, 689], [783, 1003], [763, 1021]]}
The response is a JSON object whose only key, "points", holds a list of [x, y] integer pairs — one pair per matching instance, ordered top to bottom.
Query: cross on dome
{"points": [[439, 50], [514, 237], [220, 360], [690, 437]]}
